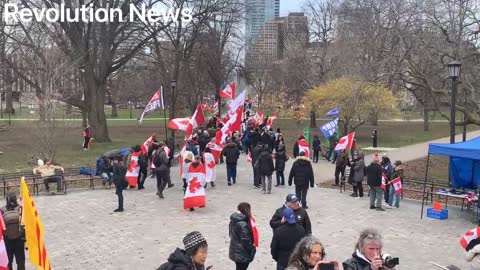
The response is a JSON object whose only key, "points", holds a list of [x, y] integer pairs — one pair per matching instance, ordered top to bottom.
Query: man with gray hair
{"points": [[374, 181]]}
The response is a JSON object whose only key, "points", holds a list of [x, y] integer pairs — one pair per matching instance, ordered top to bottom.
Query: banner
{"points": [[155, 104], [333, 112], [329, 128], [306, 133]]}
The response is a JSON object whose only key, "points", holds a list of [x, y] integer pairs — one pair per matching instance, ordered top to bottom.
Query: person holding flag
{"points": [[374, 180], [395, 189], [195, 191], [13, 234], [243, 237]]}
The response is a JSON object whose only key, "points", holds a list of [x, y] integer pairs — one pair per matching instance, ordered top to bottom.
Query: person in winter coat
{"points": [[87, 136], [255, 137], [203, 139], [278, 141], [296, 148], [316, 148], [231, 153], [255, 153], [188, 158], [160, 160], [280, 160], [340, 166], [265, 168], [387, 170], [106, 172], [358, 174], [302, 176], [119, 180], [374, 180], [393, 196], [301, 215], [12, 235], [285, 238], [242, 249], [309, 253], [367, 253], [193, 257]]}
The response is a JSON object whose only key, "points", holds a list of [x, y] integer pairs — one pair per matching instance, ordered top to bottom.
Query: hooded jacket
{"points": [[256, 150], [231, 153], [280, 158], [265, 160], [359, 168], [301, 172], [374, 175], [241, 239], [179, 260]]}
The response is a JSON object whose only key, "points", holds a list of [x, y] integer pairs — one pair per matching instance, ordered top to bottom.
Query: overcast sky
{"points": [[287, 6]]}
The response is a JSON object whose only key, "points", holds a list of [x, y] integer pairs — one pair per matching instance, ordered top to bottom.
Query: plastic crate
{"points": [[437, 214]]}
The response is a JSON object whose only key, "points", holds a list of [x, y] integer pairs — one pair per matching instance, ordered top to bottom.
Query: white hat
{"points": [[40, 162]]}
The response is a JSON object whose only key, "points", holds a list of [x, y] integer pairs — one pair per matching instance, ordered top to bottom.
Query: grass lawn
{"points": [[19, 142]]}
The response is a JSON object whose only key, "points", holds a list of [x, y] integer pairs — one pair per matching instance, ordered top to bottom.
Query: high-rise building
{"points": [[257, 13]]}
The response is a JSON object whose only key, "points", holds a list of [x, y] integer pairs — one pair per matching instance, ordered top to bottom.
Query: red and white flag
{"points": [[228, 92], [237, 103], [155, 104], [206, 107], [214, 107], [259, 117], [271, 119], [195, 121], [179, 123], [233, 124], [345, 142], [147, 144], [304, 147], [216, 150], [183, 154], [249, 157], [133, 169], [210, 170], [384, 181], [397, 184], [195, 193], [253, 224], [469, 236], [3, 249]]}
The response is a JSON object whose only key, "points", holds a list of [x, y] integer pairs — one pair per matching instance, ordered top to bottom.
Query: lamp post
{"points": [[454, 72], [173, 85], [1, 105], [464, 137]]}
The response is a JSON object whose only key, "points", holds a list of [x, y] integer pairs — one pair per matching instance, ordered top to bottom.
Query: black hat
{"points": [[193, 240]]}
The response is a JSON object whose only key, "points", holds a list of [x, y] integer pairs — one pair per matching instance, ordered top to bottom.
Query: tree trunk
{"points": [[8, 92], [95, 101], [68, 109], [114, 110], [84, 118], [425, 118], [313, 119], [374, 119]]}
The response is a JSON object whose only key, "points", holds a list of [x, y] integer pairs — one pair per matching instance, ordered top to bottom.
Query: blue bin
{"points": [[437, 214]]}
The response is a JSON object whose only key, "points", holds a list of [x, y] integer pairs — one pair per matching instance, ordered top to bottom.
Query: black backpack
{"points": [[157, 160], [13, 228]]}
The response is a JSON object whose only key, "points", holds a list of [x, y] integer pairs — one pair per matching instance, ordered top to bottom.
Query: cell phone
{"points": [[326, 266]]}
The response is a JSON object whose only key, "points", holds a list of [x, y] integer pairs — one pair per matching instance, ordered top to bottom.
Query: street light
{"points": [[454, 72], [173, 85]]}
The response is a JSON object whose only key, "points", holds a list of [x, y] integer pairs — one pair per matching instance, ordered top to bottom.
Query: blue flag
{"points": [[333, 112], [329, 128]]}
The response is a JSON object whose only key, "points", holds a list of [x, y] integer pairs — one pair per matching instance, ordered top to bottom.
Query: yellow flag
{"points": [[33, 230]]}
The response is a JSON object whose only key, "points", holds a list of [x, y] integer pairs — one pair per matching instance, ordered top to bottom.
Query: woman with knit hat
{"points": [[193, 257]]}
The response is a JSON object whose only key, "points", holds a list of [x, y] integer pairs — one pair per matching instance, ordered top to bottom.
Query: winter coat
{"points": [[254, 138], [266, 139], [202, 142], [316, 144], [296, 150], [231, 153], [256, 153], [280, 158], [160, 159], [265, 160], [342, 160], [359, 169], [387, 169], [119, 172], [301, 172], [398, 172], [374, 175], [301, 216], [241, 239], [284, 240], [179, 260], [357, 262], [299, 266]]}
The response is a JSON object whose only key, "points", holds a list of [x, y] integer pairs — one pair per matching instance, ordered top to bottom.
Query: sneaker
{"points": [[234, 181], [229, 183], [212, 184], [170, 185], [277, 185], [254, 186], [139, 188], [263, 191], [269, 192], [353, 195], [160, 196], [387, 206], [305, 207], [372, 207], [397, 207], [192, 209], [380, 209], [118, 210]]}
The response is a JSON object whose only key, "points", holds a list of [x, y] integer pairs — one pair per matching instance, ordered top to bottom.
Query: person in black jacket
{"points": [[255, 137], [316, 148], [231, 153], [255, 153], [280, 160], [265, 168], [302, 173], [119, 180], [374, 180], [300, 214], [285, 238], [242, 249], [192, 258]]}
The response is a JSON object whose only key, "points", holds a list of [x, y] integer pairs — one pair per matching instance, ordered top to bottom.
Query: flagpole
{"points": [[164, 117]]}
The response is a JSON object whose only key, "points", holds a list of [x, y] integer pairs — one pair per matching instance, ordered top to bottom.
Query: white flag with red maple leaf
{"points": [[345, 142], [133, 169], [210, 171], [195, 193]]}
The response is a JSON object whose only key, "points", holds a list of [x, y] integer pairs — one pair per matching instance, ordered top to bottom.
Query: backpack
{"points": [[157, 161], [12, 223]]}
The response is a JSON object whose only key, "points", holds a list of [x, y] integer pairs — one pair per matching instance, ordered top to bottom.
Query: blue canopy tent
{"points": [[464, 168]]}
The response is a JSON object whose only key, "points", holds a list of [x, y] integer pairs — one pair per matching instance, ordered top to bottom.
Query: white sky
{"points": [[287, 6]]}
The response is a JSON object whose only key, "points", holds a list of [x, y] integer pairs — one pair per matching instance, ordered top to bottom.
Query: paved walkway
{"points": [[83, 233]]}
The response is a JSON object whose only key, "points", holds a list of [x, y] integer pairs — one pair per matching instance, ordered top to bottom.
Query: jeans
{"points": [[86, 140], [315, 155], [339, 170], [231, 172], [142, 176], [107, 178], [280, 178], [53, 179], [162, 179], [269, 184], [358, 189], [119, 192], [301, 193], [386, 193], [376, 194], [393, 197], [15, 247], [241, 266], [280, 267]]}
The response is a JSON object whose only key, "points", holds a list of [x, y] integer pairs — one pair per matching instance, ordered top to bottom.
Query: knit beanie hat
{"points": [[193, 240]]}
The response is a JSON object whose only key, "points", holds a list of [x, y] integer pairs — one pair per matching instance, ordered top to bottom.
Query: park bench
{"points": [[11, 181]]}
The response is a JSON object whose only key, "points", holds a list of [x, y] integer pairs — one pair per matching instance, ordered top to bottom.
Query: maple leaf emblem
{"points": [[342, 140], [211, 165], [194, 185]]}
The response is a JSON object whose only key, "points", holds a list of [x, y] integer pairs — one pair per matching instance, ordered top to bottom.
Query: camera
{"points": [[389, 261]]}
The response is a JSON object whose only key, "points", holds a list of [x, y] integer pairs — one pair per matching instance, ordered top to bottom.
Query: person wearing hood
{"points": [[231, 153], [280, 160], [265, 169], [358, 174], [302, 176], [374, 180], [393, 196], [301, 215], [242, 246], [367, 253], [193, 257]]}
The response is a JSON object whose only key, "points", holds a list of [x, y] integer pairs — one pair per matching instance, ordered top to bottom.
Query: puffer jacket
{"points": [[231, 153], [280, 158], [265, 161], [359, 168], [301, 173], [374, 175], [301, 217], [241, 239], [179, 260], [357, 262]]}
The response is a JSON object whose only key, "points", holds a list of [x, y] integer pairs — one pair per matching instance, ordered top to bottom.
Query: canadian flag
{"points": [[228, 92], [238, 102], [205, 106], [215, 107], [259, 117], [271, 119], [196, 120], [179, 123], [232, 125], [345, 142], [147, 144], [303, 147], [216, 150], [183, 154], [249, 157], [133, 169], [210, 171], [384, 182], [397, 184], [195, 193], [253, 225], [469, 236], [3, 250]]}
